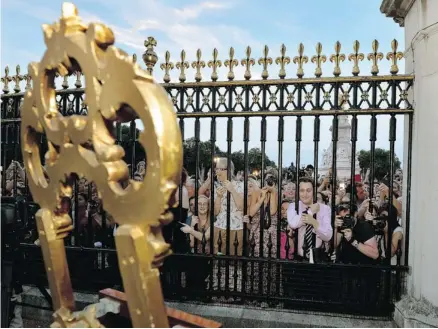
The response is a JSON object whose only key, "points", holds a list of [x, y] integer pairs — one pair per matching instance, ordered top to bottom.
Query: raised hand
{"points": [[229, 186], [314, 208], [186, 228]]}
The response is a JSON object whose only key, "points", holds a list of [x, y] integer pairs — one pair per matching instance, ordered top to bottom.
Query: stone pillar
{"points": [[420, 19]]}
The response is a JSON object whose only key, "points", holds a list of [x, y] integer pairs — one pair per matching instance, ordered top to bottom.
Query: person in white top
{"points": [[235, 188]]}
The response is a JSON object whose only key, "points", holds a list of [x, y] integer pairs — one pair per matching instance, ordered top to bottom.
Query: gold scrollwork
{"points": [[115, 89]]}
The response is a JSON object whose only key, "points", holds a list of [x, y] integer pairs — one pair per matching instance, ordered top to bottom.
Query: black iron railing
{"points": [[225, 277]]}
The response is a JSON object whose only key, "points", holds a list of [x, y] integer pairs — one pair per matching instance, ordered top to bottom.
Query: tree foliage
{"points": [[381, 162]]}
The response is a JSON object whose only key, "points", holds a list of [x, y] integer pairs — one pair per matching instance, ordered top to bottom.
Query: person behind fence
{"points": [[235, 188], [262, 210], [312, 222], [386, 226], [286, 234], [355, 240]]}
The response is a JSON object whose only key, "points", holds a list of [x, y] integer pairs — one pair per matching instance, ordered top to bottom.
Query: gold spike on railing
{"points": [[393, 56], [356, 57], [374, 57], [337, 58], [318, 59], [265, 60], [283, 60], [300, 60], [231, 62], [247, 62], [215, 63], [198, 65], [166, 66], [182, 66], [17, 78], [6, 79], [28, 79], [65, 82], [78, 83]]}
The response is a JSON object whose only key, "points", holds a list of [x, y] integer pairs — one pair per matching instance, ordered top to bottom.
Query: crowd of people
{"points": [[363, 221], [358, 234]]}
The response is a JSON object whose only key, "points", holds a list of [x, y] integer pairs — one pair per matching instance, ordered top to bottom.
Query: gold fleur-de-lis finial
{"points": [[394, 55], [375, 56], [356, 57], [134, 58], [337, 58], [318, 59], [265, 60], [283, 60], [300, 60], [231, 62], [247, 62], [215, 63], [198, 65], [166, 66], [182, 66], [17, 78], [6, 79], [28, 79], [65, 82], [78, 83]]}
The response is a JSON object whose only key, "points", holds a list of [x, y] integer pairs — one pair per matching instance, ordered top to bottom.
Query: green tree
{"points": [[189, 146], [381, 162]]}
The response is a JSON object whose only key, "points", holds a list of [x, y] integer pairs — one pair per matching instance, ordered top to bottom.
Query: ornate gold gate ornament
{"points": [[116, 90]]}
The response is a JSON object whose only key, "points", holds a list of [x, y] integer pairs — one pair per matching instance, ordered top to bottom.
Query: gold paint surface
{"points": [[116, 89]]}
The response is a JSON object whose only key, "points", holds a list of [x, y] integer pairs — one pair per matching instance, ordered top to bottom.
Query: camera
{"points": [[270, 180], [347, 222], [379, 225]]}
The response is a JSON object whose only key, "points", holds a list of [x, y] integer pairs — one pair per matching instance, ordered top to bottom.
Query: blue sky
{"points": [[193, 24]]}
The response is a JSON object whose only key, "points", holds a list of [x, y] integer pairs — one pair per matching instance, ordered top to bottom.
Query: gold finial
{"points": [[375, 56], [394, 56], [150, 57], [356, 57], [134, 58], [337, 58], [318, 59], [265, 60], [283, 60], [300, 60], [231, 62], [247, 62], [215, 63], [198, 64], [166, 66], [182, 66], [17, 78], [6, 79], [28, 79], [65, 82], [78, 83], [141, 248]]}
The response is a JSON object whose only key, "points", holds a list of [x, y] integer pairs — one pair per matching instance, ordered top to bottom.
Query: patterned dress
{"points": [[269, 236]]}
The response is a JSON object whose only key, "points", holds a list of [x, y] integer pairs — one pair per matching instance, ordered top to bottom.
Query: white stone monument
{"points": [[343, 153]]}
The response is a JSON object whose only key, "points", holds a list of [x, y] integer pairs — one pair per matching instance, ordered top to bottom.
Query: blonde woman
{"points": [[200, 224]]}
